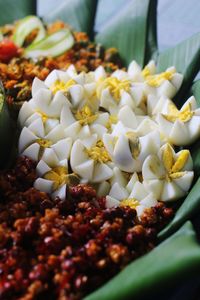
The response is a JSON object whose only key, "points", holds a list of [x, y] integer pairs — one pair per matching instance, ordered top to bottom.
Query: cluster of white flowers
{"points": [[115, 132]]}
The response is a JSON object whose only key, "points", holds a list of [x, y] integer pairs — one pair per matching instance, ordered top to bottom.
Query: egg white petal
{"points": [[71, 71], [134, 71], [177, 80], [37, 85], [137, 92], [77, 93], [126, 99], [25, 112], [128, 117], [37, 127], [98, 129], [55, 134], [179, 134], [26, 138], [109, 143], [62, 148], [32, 151], [78, 154], [122, 155], [49, 156], [42, 168], [152, 168], [85, 170], [101, 172], [118, 177], [184, 182], [131, 183], [43, 185], [155, 186], [102, 188], [139, 191], [61, 192], [118, 192], [171, 192], [111, 202]]}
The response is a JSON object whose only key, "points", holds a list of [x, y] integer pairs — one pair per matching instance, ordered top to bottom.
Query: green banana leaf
{"points": [[12, 10], [80, 14], [127, 31], [151, 36], [186, 58], [6, 130], [175, 259]]}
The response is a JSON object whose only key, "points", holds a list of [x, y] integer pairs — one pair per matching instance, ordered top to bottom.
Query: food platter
{"points": [[133, 33]]}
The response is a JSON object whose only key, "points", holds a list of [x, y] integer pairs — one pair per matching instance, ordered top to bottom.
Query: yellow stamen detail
{"points": [[146, 72], [158, 79], [114, 85], [61, 86], [174, 114], [85, 115], [44, 116], [112, 120], [44, 143], [99, 153], [167, 157], [181, 161], [173, 167], [58, 175], [177, 175], [131, 202]]}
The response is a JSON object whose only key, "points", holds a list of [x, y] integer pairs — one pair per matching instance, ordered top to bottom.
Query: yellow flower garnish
{"points": [[146, 72], [157, 80], [61, 86], [115, 86], [174, 114], [85, 115], [44, 116], [112, 120], [44, 143], [134, 144], [99, 153], [181, 161], [172, 167], [59, 176], [131, 202]]}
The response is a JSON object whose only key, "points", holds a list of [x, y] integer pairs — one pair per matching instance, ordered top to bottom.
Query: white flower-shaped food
{"points": [[117, 90], [43, 105], [83, 122], [180, 127], [36, 144], [128, 150], [90, 160], [168, 175], [54, 180], [138, 198]]}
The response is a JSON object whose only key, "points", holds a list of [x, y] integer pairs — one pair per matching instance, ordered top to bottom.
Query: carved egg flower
{"points": [[166, 83], [118, 90], [43, 105], [83, 122], [181, 127], [52, 147], [128, 150], [90, 160], [168, 175], [54, 180], [134, 195]]}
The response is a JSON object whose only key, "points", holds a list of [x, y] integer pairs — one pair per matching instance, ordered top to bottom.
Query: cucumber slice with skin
{"points": [[25, 27], [53, 45]]}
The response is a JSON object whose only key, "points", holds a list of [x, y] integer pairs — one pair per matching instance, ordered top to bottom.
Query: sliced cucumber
{"points": [[25, 27], [53, 45]]}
